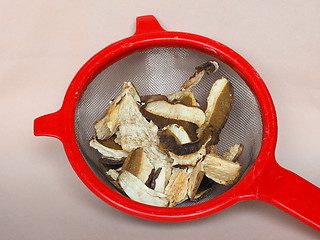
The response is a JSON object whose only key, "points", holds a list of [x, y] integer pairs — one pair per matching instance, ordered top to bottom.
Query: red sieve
{"points": [[158, 62]]}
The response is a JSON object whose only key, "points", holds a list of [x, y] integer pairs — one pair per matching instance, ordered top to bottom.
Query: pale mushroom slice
{"points": [[208, 67], [184, 96], [151, 98], [219, 104], [176, 111], [108, 124], [135, 132], [178, 132], [233, 153], [115, 155], [190, 159], [138, 164], [220, 170], [112, 176], [161, 178], [195, 179], [177, 188], [205, 189], [138, 191]]}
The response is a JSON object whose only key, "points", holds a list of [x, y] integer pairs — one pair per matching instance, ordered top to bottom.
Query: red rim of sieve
{"points": [[265, 181]]}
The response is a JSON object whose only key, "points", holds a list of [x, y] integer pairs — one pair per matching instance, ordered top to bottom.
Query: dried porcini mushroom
{"points": [[208, 67], [184, 96], [151, 98], [219, 104], [176, 111], [108, 124], [161, 149], [233, 152], [115, 155], [138, 164], [220, 170], [195, 180], [177, 188], [138, 191]]}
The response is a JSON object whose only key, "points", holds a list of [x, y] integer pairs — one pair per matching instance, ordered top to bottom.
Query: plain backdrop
{"points": [[44, 43]]}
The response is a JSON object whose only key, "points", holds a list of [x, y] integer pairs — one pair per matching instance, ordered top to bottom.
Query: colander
{"points": [[158, 62]]}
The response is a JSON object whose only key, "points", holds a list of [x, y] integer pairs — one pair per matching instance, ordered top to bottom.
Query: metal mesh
{"points": [[162, 71]]}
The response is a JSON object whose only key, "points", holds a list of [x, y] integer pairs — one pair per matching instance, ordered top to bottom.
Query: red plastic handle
{"points": [[49, 125], [291, 193]]}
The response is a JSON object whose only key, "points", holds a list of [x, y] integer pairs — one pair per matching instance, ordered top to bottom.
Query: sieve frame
{"points": [[254, 185]]}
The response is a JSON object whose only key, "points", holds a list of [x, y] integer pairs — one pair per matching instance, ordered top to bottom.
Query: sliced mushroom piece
{"points": [[208, 67], [184, 96], [151, 98], [219, 104], [176, 111], [108, 124], [135, 132], [178, 132], [169, 143], [233, 152], [116, 156], [189, 159], [138, 164], [220, 170], [161, 179], [195, 179], [177, 188], [205, 189], [138, 191]]}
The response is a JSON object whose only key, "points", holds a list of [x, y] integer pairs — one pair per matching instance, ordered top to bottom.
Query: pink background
{"points": [[44, 43]]}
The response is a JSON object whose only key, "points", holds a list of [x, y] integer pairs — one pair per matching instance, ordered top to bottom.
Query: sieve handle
{"points": [[49, 125], [290, 193]]}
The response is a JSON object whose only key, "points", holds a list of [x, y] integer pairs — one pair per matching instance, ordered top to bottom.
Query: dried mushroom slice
{"points": [[208, 67], [184, 96], [151, 98], [219, 104], [176, 111], [108, 124], [135, 132], [178, 132], [169, 143], [233, 152], [116, 156], [189, 159], [138, 164], [220, 170], [112, 176], [161, 179], [195, 179], [177, 188], [138, 191]]}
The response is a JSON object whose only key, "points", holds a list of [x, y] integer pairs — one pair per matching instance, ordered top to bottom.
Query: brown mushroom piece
{"points": [[208, 67], [184, 96], [151, 98], [219, 105], [176, 111], [108, 124], [135, 132], [178, 132], [233, 153], [113, 155], [190, 159], [138, 164], [220, 170], [112, 176], [161, 178], [195, 179], [206, 187], [177, 188], [138, 191]]}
